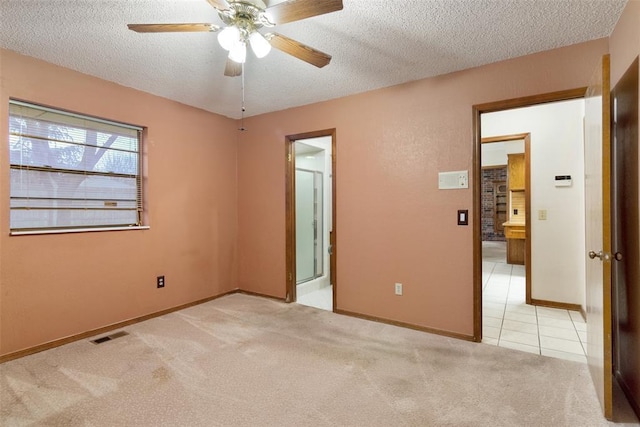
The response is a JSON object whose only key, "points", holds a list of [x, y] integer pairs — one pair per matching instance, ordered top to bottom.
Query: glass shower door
{"points": [[309, 223]]}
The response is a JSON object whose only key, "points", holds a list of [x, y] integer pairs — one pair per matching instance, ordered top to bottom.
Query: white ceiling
{"points": [[374, 44]]}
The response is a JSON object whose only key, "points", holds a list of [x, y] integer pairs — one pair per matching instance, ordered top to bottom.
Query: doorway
{"points": [[506, 204], [310, 218], [598, 293], [548, 322]]}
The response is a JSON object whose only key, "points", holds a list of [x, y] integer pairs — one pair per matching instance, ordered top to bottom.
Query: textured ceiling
{"points": [[374, 44]]}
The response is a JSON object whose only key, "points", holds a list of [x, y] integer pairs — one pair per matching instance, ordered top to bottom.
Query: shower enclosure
{"points": [[309, 223]]}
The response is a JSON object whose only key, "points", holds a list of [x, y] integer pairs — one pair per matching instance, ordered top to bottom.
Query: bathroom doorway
{"points": [[311, 220]]}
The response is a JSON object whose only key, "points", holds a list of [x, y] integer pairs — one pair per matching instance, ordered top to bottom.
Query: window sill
{"points": [[77, 230]]}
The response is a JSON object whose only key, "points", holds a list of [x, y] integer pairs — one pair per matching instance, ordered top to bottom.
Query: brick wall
{"points": [[488, 178]]}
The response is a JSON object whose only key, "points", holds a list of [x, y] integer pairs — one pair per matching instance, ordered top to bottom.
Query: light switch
{"points": [[463, 217]]}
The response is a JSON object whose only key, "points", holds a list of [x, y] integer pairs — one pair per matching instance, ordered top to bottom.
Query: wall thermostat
{"points": [[563, 180]]}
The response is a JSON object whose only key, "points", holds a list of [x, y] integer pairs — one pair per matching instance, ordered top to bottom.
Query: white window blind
{"points": [[71, 171]]}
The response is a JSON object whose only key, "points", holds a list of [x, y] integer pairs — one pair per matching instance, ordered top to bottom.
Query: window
{"points": [[70, 171]]}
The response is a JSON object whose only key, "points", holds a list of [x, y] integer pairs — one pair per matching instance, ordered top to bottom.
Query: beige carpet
{"points": [[249, 361]]}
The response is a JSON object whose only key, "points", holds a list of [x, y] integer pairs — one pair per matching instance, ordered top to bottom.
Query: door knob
{"points": [[602, 256], [617, 256]]}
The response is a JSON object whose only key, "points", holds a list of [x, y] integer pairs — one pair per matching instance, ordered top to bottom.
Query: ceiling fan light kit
{"points": [[243, 19], [229, 37], [260, 46], [238, 52]]}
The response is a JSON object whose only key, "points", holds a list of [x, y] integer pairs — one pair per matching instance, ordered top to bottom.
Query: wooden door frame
{"points": [[477, 111], [527, 200], [290, 208]]}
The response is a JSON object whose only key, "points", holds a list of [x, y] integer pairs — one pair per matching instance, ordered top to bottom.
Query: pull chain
{"points": [[242, 128]]}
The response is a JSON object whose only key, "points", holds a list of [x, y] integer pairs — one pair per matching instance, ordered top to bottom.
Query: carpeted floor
{"points": [[247, 361]]}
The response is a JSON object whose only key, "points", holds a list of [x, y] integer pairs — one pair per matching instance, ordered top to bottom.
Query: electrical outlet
{"points": [[542, 214], [160, 282], [398, 288]]}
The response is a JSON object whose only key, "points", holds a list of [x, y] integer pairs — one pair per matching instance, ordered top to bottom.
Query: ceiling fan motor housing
{"points": [[247, 17]]}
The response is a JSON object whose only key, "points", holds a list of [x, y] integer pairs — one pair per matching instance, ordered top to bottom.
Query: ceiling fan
{"points": [[243, 19]]}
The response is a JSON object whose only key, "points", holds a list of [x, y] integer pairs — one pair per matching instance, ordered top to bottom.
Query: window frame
{"points": [[140, 131]]}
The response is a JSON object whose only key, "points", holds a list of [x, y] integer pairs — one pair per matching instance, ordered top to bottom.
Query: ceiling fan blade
{"points": [[219, 4], [295, 10], [172, 28], [299, 50], [232, 69]]}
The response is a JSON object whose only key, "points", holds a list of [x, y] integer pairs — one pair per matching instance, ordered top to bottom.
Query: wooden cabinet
{"points": [[515, 173], [514, 228], [514, 231], [515, 234], [515, 251]]}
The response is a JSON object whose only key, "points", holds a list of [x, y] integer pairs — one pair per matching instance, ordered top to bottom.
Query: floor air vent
{"points": [[109, 337]]}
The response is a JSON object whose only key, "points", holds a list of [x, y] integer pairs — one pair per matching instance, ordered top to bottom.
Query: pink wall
{"points": [[624, 43], [393, 224], [53, 286]]}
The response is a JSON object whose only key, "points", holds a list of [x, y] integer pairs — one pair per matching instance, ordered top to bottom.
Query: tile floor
{"points": [[321, 298], [509, 322]]}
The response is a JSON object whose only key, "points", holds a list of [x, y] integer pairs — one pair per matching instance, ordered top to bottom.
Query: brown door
{"points": [[598, 233], [626, 274]]}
